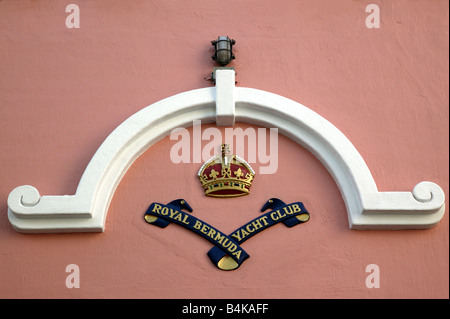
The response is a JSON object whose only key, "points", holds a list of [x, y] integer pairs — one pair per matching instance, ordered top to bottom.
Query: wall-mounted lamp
{"points": [[223, 50]]}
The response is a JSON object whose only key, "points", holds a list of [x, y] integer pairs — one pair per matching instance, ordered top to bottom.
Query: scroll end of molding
{"points": [[429, 192], [22, 199], [25, 202], [422, 208]]}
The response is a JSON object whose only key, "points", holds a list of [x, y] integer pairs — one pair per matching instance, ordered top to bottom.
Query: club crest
{"points": [[226, 176]]}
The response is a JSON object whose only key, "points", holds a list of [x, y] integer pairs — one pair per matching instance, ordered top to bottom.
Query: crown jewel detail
{"points": [[226, 175]]}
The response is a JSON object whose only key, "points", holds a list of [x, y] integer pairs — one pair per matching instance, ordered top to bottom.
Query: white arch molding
{"points": [[224, 104]]}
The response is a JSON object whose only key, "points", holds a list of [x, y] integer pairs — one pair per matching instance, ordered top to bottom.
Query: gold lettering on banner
{"points": [[296, 208], [156, 209], [172, 213], [274, 215], [178, 217], [184, 221], [198, 224], [204, 229], [248, 229], [211, 233], [241, 233], [237, 235], [217, 237], [230, 257]]}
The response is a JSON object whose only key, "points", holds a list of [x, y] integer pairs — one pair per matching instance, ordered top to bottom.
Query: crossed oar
{"points": [[227, 253]]}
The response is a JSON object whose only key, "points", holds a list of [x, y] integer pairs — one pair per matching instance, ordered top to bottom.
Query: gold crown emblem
{"points": [[226, 175]]}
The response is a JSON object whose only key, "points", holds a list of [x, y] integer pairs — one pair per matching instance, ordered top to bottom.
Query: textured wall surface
{"points": [[62, 91]]}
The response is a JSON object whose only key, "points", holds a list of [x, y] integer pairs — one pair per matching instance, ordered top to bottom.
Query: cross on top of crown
{"points": [[225, 149]]}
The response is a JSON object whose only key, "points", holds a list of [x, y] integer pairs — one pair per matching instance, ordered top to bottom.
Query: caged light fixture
{"points": [[223, 50]]}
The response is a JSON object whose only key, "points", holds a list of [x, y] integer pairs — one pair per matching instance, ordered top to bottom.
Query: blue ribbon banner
{"points": [[227, 254]]}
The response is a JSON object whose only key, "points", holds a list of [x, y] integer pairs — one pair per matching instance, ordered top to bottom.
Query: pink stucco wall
{"points": [[62, 91]]}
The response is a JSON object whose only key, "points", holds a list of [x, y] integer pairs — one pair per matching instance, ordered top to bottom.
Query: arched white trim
{"points": [[86, 211]]}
